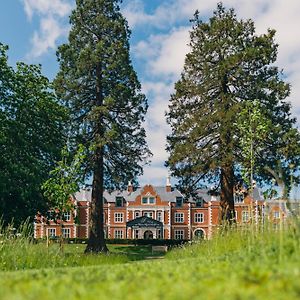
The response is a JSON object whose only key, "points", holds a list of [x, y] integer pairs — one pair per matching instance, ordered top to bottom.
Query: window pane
{"points": [[151, 200]]}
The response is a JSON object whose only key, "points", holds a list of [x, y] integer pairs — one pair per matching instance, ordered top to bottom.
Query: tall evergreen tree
{"points": [[227, 65], [99, 85], [31, 137]]}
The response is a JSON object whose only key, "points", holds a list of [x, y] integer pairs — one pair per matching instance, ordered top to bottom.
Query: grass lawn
{"points": [[240, 264]]}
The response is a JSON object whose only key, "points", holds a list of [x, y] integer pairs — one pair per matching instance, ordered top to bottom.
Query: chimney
{"points": [[168, 185], [129, 187]]}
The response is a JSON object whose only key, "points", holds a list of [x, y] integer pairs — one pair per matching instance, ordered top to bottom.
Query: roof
{"points": [[86, 194], [143, 222]]}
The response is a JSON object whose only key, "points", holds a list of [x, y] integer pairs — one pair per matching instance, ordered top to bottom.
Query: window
{"points": [[238, 197], [148, 200], [119, 201], [179, 201], [199, 202], [136, 214], [148, 214], [236, 214], [276, 215], [67, 216], [159, 216], [245, 216], [118, 217], [179, 217], [199, 217], [51, 232], [66, 232], [118, 234], [136, 234], [159, 234], [179, 234]]}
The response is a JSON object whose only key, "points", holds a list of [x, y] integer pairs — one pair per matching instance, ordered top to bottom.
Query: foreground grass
{"points": [[239, 264]]}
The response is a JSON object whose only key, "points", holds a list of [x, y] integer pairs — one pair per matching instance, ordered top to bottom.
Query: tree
{"points": [[228, 64], [98, 83], [252, 128], [31, 136], [65, 180]]}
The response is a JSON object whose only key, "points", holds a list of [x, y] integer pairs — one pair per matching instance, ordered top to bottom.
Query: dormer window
{"points": [[238, 197], [148, 200], [119, 201], [179, 201], [199, 202]]}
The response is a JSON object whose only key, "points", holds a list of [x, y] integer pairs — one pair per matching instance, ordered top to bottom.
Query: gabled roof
{"points": [[86, 194], [143, 222]]}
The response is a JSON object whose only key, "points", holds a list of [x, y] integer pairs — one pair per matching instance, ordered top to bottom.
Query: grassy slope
{"points": [[240, 265]]}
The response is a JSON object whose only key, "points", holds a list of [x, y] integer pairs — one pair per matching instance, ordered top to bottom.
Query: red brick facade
{"points": [[181, 218]]}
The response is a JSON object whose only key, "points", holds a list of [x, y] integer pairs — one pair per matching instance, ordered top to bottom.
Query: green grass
{"points": [[237, 264]]}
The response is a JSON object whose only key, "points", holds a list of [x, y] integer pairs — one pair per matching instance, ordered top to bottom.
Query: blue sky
{"points": [[34, 28]]}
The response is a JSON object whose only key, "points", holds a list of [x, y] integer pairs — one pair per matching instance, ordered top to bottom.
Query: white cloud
{"points": [[46, 7], [52, 27], [163, 53]]}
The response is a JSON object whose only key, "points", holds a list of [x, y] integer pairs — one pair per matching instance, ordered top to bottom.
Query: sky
{"points": [[160, 33]]}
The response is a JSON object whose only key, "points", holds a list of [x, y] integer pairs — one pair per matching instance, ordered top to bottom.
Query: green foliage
{"points": [[228, 65], [99, 85], [252, 127], [31, 136], [65, 180]]}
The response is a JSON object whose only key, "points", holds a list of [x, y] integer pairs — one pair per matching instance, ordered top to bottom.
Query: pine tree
{"points": [[228, 64], [99, 85]]}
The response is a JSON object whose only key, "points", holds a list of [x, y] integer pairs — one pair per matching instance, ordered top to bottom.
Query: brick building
{"points": [[151, 212]]}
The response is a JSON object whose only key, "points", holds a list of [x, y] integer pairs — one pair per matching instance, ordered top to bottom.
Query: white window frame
{"points": [[146, 200], [137, 214], [276, 214], [67, 216], [160, 216], [245, 216], [119, 217], [179, 217], [199, 217], [53, 230], [66, 233], [118, 234], [136, 234], [179, 234]]}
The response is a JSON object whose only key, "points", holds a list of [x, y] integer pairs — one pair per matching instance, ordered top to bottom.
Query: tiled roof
{"points": [[86, 194]]}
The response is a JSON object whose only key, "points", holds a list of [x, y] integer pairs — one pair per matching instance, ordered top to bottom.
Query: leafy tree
{"points": [[228, 64], [98, 83], [252, 128], [31, 136], [65, 180]]}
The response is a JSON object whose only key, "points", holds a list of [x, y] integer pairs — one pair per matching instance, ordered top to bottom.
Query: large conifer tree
{"points": [[228, 64], [99, 85]]}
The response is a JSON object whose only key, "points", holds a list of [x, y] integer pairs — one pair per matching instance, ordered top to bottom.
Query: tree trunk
{"points": [[226, 197], [96, 242]]}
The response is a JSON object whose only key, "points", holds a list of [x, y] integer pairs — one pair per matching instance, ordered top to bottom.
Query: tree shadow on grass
{"points": [[140, 252]]}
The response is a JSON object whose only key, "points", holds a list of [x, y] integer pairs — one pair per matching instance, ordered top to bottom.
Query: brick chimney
{"points": [[168, 185], [129, 187]]}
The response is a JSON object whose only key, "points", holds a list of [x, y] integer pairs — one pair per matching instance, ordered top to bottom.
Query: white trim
{"points": [[179, 216], [199, 216], [119, 217]]}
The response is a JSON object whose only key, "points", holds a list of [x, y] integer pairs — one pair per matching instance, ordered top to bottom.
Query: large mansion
{"points": [[156, 212]]}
